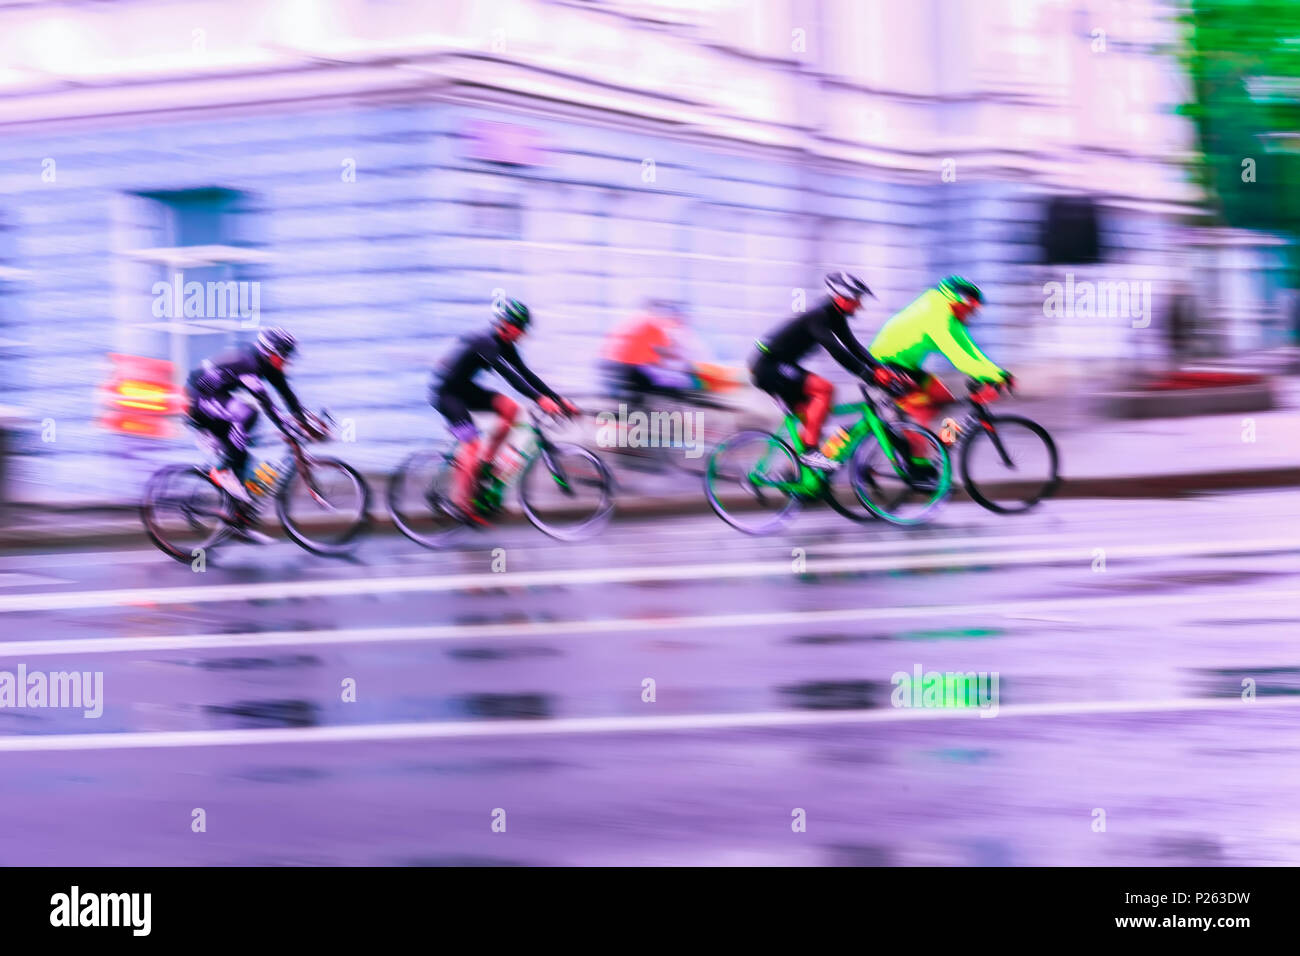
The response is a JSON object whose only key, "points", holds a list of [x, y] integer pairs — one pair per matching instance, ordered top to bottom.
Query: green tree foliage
{"points": [[1244, 60]]}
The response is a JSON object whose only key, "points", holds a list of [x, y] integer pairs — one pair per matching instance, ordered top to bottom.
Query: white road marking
{"points": [[19, 579], [336, 587], [1033, 610], [671, 723]]}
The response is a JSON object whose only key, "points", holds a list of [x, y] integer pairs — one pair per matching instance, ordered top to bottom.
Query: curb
{"points": [[1188, 403]]}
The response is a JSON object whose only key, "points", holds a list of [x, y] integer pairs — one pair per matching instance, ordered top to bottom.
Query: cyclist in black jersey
{"points": [[776, 369], [455, 394], [215, 409]]}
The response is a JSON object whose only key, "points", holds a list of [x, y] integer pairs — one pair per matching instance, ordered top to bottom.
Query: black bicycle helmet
{"points": [[842, 285], [512, 312], [276, 342]]}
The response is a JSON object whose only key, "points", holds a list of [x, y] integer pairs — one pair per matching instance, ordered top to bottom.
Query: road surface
{"points": [[1144, 654]]}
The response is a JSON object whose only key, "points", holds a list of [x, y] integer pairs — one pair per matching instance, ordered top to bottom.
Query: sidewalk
{"points": [[1099, 458]]}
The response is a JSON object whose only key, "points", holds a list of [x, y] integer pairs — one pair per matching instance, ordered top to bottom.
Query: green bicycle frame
{"points": [[529, 446], [811, 481]]}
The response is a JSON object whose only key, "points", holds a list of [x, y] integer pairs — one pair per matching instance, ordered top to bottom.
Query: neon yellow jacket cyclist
{"points": [[934, 322]]}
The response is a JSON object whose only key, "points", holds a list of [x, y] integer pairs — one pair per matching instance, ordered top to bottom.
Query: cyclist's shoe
{"points": [[818, 461], [228, 481], [465, 510], [245, 525], [252, 535]]}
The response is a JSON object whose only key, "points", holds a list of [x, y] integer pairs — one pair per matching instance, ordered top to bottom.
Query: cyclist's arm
{"points": [[828, 338], [951, 338], [851, 343], [511, 367], [280, 383], [253, 385]]}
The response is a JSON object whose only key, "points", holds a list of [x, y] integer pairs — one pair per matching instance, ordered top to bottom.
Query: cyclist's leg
{"points": [[787, 381], [818, 396], [924, 405], [507, 410], [243, 418], [217, 419], [466, 456], [467, 467]]}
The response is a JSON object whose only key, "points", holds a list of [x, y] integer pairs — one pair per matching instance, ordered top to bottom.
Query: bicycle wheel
{"points": [[707, 424], [1011, 468], [742, 478], [567, 491], [419, 497], [912, 497], [842, 498], [326, 510], [183, 512]]}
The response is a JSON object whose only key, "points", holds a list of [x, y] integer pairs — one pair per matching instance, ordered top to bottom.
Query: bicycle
{"points": [[675, 412], [1016, 441], [887, 472], [556, 480], [184, 512]]}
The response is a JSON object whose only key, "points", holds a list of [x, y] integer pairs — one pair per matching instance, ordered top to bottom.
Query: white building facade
{"points": [[379, 167]]}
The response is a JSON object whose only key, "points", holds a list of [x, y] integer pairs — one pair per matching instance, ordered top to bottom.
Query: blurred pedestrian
{"points": [[1179, 322]]}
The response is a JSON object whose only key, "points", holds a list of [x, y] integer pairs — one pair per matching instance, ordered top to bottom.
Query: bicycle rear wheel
{"points": [[1011, 468], [747, 481], [567, 491], [912, 496], [419, 499], [325, 511], [183, 512]]}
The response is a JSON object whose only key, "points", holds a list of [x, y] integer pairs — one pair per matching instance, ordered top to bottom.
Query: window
{"points": [[186, 278]]}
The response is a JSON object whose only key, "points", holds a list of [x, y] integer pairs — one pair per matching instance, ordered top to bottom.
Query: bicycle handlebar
{"points": [[973, 385], [899, 387], [539, 417], [295, 432]]}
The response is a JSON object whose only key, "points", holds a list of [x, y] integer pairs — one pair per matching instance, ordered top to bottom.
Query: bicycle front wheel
{"points": [[1012, 467], [750, 481], [908, 487], [567, 491], [419, 499], [325, 509], [183, 512]]}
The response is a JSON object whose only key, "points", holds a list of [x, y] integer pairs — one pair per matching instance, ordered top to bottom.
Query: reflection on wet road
{"points": [[672, 692]]}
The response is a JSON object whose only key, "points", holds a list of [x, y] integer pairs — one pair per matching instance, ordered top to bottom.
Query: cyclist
{"points": [[935, 322], [647, 353], [776, 370], [455, 394], [216, 410]]}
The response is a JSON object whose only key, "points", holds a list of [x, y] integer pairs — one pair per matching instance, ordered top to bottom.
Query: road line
{"points": [[18, 579], [335, 587], [1014, 610], [671, 723]]}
